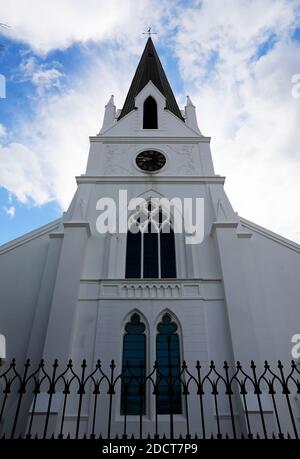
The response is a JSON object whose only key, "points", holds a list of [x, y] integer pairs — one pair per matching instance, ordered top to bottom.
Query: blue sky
{"points": [[61, 68], [21, 94], [20, 102]]}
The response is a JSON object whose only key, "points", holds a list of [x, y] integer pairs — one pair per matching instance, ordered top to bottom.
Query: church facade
{"points": [[68, 290]]}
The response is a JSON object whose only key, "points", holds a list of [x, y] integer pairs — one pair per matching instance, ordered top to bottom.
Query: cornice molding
{"points": [[158, 139], [150, 178], [78, 224], [222, 225], [56, 235], [152, 281]]}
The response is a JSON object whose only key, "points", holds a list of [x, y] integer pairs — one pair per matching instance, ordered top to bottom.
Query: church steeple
{"points": [[150, 68]]}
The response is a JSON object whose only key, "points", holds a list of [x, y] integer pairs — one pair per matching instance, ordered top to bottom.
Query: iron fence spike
{"points": [[216, 382]]}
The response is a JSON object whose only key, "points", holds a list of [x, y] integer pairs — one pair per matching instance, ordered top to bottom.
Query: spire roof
{"points": [[150, 68]]}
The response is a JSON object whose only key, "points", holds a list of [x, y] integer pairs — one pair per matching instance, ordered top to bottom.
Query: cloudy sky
{"points": [[62, 59]]}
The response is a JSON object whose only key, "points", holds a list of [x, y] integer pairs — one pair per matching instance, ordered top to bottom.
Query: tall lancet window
{"points": [[150, 114], [150, 244], [133, 255], [134, 361], [168, 398]]}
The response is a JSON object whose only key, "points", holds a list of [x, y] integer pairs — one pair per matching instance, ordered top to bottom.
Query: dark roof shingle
{"points": [[150, 68]]}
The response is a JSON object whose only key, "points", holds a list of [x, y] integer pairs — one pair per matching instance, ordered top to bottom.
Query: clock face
{"points": [[150, 160]]}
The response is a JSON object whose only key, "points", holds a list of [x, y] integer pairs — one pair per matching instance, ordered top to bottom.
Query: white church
{"points": [[147, 297]]}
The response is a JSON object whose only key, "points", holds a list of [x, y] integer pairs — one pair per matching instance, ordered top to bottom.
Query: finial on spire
{"points": [[149, 33], [150, 68]]}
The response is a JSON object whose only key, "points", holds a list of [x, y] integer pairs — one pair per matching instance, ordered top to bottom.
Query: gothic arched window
{"points": [[150, 114], [150, 244], [133, 372], [168, 398]]}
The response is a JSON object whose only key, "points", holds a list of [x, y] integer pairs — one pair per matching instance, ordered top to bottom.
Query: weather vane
{"points": [[149, 33]]}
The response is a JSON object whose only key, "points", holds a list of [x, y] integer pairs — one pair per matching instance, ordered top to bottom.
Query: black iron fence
{"points": [[80, 401]]}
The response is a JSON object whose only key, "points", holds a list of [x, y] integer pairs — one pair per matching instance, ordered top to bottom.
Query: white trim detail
{"points": [[147, 139], [162, 179], [73, 224], [217, 225]]}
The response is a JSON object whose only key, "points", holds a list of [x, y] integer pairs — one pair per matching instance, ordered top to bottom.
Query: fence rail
{"points": [[83, 401]]}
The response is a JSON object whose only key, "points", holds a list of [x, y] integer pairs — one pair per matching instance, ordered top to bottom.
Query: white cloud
{"points": [[60, 23], [44, 76], [246, 103], [3, 131], [53, 146], [20, 173], [10, 211]]}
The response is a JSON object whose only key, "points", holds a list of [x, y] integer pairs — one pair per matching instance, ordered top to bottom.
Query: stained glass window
{"points": [[134, 361], [168, 399]]}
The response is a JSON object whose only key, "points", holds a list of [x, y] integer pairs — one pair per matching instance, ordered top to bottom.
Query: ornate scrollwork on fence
{"points": [[229, 402]]}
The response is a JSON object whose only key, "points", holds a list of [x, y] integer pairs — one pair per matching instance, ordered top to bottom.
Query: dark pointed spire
{"points": [[150, 68]]}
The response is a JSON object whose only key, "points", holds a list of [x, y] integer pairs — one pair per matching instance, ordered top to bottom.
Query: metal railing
{"points": [[96, 401]]}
